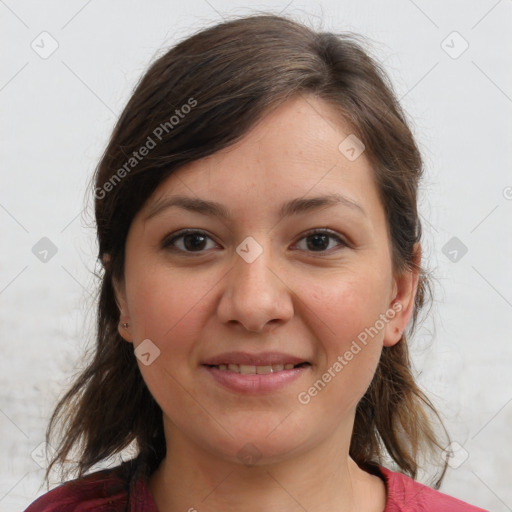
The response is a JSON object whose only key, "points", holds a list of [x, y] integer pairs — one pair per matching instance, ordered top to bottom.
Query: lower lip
{"points": [[253, 384]]}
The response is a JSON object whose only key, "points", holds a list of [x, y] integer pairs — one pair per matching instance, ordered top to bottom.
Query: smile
{"points": [[246, 369]]}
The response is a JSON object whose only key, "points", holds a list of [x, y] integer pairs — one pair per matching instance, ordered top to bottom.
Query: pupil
{"points": [[322, 244], [193, 245]]}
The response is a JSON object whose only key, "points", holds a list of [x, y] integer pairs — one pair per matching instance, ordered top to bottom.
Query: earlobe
{"points": [[402, 305], [396, 323], [123, 326], [124, 330]]}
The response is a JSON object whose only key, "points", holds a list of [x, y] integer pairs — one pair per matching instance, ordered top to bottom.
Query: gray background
{"points": [[58, 112]]}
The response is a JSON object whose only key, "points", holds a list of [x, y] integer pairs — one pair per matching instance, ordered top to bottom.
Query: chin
{"points": [[260, 443], [262, 452]]}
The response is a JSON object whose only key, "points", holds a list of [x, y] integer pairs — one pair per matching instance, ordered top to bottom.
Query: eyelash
{"points": [[168, 242]]}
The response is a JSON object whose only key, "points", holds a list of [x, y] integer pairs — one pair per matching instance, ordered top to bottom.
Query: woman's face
{"points": [[297, 295]]}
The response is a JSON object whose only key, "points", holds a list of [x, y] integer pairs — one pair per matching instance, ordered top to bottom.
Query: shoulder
{"points": [[100, 491], [407, 495]]}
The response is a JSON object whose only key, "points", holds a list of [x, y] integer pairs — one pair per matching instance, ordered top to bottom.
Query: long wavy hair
{"points": [[229, 76]]}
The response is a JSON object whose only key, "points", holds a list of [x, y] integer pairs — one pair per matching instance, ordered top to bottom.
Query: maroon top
{"points": [[125, 488]]}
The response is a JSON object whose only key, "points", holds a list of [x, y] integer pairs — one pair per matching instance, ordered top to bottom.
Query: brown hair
{"points": [[230, 75]]}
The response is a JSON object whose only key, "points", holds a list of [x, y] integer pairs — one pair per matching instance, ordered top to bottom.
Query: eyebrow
{"points": [[212, 208]]}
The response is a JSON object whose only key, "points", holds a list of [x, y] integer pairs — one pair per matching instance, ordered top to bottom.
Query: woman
{"points": [[257, 222]]}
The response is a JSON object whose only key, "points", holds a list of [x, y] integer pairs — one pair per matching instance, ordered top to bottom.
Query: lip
{"points": [[260, 359], [254, 384]]}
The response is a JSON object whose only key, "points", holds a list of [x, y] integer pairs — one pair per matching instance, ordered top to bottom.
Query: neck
{"points": [[324, 478]]}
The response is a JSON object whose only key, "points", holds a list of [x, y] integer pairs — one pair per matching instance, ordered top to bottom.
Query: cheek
{"points": [[345, 304], [167, 306], [169, 309], [350, 335]]}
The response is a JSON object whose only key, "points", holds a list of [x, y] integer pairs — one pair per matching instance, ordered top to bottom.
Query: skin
{"points": [[292, 298]]}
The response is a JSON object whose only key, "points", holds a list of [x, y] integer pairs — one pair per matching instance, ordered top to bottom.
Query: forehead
{"points": [[293, 151]]}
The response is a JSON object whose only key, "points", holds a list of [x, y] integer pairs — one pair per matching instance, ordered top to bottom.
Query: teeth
{"points": [[247, 369], [261, 370]]}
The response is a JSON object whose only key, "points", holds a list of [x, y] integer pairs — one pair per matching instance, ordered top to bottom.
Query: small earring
{"points": [[125, 325]]}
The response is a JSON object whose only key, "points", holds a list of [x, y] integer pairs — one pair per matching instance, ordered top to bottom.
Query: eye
{"points": [[189, 240], [319, 240], [195, 241]]}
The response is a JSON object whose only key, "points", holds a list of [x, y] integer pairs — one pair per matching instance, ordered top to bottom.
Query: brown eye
{"points": [[187, 241], [319, 241]]}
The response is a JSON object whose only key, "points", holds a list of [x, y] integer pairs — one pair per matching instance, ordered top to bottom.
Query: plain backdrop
{"points": [[67, 70]]}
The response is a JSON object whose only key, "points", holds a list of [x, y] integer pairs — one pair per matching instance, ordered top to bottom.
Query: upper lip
{"points": [[260, 359]]}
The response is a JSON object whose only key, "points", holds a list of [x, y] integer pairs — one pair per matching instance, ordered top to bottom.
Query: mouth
{"points": [[247, 369], [246, 373]]}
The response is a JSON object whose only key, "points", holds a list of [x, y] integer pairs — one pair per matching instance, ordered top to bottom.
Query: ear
{"points": [[401, 306], [124, 315]]}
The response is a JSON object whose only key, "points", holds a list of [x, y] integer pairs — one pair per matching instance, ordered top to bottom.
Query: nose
{"points": [[255, 295]]}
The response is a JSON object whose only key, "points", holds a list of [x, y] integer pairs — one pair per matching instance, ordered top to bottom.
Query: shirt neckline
{"points": [[140, 498]]}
